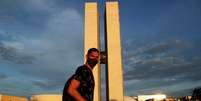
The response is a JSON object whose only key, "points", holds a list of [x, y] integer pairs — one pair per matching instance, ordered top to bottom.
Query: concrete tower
{"points": [[91, 39], [114, 76]]}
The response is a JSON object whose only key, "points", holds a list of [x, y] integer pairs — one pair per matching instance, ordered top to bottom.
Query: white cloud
{"points": [[14, 44]]}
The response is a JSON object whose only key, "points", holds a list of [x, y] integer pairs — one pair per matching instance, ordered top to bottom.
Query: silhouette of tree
{"points": [[196, 96]]}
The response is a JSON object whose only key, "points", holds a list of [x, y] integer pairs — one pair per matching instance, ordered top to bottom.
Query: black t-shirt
{"points": [[86, 89]]}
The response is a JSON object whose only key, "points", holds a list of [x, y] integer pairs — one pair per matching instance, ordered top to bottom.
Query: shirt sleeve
{"points": [[81, 74]]}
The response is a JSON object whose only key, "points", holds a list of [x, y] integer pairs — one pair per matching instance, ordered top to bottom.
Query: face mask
{"points": [[92, 62]]}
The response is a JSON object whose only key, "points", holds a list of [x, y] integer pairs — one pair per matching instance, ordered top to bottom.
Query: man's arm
{"points": [[73, 90]]}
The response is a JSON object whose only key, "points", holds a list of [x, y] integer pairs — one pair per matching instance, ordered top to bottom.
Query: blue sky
{"points": [[41, 44]]}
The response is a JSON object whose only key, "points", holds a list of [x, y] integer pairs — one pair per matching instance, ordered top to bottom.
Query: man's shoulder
{"points": [[82, 68]]}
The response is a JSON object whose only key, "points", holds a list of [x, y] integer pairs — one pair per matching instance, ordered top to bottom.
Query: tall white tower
{"points": [[114, 70]]}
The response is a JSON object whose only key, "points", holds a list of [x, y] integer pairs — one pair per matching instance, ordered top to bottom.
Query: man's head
{"points": [[92, 57]]}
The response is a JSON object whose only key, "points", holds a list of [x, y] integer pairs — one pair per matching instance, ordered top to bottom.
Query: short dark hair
{"points": [[92, 50]]}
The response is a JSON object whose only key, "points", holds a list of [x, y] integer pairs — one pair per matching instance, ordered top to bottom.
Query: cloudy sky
{"points": [[41, 44]]}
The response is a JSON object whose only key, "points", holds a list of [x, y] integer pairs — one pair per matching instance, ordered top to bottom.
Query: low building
{"points": [[47, 97], [158, 97], [12, 98], [129, 98]]}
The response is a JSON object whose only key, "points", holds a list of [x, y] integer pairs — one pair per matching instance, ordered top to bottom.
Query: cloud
{"points": [[40, 5], [28, 16], [43, 41], [166, 46], [53, 52], [10, 53], [153, 66], [158, 66], [3, 76], [16, 85], [47, 85], [177, 89], [182, 92]]}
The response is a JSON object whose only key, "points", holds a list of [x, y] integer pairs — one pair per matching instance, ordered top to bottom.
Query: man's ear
{"points": [[86, 56]]}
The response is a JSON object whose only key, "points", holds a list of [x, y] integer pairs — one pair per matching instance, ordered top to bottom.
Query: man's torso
{"points": [[85, 76]]}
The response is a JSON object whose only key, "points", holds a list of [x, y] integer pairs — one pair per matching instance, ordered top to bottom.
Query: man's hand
{"points": [[73, 90]]}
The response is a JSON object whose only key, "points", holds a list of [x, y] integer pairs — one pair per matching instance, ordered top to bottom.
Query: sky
{"points": [[41, 45]]}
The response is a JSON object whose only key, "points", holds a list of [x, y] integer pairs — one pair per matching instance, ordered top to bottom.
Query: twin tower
{"points": [[113, 60]]}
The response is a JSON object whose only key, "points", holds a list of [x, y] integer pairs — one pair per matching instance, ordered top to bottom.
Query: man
{"points": [[80, 86]]}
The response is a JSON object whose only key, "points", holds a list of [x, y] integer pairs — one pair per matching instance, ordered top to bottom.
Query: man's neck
{"points": [[88, 66]]}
